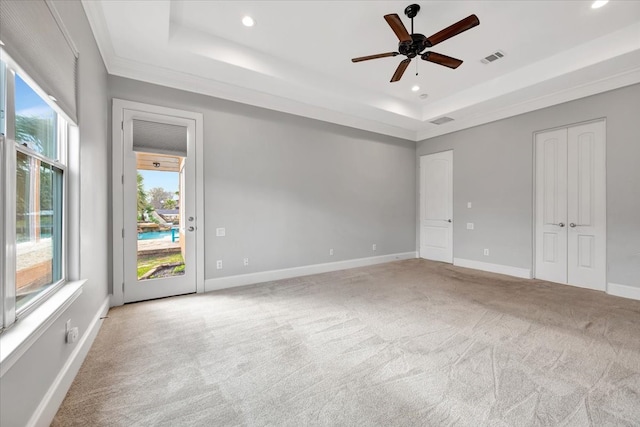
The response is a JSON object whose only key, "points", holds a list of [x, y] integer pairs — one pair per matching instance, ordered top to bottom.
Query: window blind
{"points": [[35, 39], [163, 138]]}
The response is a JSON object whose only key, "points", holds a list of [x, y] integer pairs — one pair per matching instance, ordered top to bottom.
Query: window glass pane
{"points": [[35, 121], [38, 227]]}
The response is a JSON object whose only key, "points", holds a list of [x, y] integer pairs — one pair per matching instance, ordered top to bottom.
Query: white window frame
{"points": [[67, 161]]}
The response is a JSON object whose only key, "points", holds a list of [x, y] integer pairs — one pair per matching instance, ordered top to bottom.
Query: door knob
{"points": [[190, 218], [448, 220], [561, 225], [572, 225], [191, 228]]}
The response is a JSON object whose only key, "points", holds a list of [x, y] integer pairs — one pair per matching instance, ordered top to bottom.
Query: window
{"points": [[34, 174]]}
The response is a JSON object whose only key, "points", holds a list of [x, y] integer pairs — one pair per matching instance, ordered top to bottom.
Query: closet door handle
{"points": [[560, 224]]}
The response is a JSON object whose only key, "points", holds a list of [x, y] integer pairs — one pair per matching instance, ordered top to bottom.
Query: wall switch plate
{"points": [[469, 205], [469, 226], [221, 232], [374, 247], [331, 251], [486, 252], [246, 262], [219, 264]]}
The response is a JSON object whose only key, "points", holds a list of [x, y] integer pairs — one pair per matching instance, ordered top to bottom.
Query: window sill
{"points": [[17, 339]]}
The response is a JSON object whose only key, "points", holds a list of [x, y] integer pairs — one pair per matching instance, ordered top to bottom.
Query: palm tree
{"points": [[32, 131], [143, 205]]}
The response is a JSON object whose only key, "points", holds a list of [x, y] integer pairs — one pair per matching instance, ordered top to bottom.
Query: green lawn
{"points": [[147, 263]]}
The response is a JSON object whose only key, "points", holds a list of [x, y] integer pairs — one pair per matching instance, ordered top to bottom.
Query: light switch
{"points": [[469, 205], [469, 226], [221, 232]]}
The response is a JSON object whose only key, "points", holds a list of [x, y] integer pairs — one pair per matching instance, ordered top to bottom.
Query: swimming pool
{"points": [[150, 235]]}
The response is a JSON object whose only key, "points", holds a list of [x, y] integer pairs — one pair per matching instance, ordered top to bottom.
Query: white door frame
{"points": [[119, 106], [534, 228], [450, 258]]}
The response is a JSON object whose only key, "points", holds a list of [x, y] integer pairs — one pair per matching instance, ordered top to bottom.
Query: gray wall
{"points": [[493, 169], [287, 188], [24, 385]]}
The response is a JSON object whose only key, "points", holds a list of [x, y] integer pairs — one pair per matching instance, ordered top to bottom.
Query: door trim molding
{"points": [[117, 190], [419, 202]]}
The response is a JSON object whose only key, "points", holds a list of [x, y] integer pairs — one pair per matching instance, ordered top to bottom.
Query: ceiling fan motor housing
{"points": [[418, 44]]}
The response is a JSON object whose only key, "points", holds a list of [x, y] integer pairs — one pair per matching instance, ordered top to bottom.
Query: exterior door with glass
{"points": [[159, 209]]}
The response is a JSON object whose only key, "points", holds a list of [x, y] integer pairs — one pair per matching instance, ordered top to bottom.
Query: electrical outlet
{"points": [[469, 226], [221, 232], [374, 247], [331, 251], [486, 252], [246, 262], [219, 264], [71, 334]]}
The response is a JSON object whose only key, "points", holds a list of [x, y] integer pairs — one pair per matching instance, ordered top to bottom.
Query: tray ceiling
{"points": [[296, 58]]}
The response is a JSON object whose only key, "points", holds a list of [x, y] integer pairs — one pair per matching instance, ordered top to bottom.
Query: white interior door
{"points": [[436, 206], [551, 206], [571, 206], [587, 206], [159, 240]]}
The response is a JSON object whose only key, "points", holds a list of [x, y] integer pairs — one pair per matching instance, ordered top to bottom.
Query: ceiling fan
{"points": [[411, 45]]}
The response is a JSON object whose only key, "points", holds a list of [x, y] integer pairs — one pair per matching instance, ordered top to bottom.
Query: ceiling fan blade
{"points": [[398, 27], [453, 30], [380, 55], [441, 59], [400, 70]]}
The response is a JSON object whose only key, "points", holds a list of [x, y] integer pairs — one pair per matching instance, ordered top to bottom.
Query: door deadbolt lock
{"points": [[190, 218], [191, 228]]}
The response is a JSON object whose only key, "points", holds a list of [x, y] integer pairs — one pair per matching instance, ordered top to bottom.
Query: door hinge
{"points": [[122, 125], [122, 178], [123, 233], [123, 287]]}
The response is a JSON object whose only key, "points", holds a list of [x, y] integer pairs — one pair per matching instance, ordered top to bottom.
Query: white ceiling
{"points": [[296, 58]]}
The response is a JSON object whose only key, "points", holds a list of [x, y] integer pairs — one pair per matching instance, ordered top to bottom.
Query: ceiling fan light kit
{"points": [[412, 45]]}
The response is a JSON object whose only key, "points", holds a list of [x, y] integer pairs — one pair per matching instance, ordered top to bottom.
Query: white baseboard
{"points": [[287, 273], [523, 273], [624, 291], [52, 400]]}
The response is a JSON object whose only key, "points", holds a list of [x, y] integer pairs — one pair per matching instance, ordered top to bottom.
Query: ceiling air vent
{"points": [[493, 57], [441, 120]]}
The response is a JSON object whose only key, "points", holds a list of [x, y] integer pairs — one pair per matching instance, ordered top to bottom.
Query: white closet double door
{"points": [[571, 206]]}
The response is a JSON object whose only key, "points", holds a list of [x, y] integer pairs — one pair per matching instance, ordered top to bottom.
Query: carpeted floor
{"points": [[409, 343]]}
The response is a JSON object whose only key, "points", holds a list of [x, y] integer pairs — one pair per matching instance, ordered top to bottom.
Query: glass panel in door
{"points": [[159, 222]]}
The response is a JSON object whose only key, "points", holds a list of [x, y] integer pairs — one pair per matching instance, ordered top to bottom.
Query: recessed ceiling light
{"points": [[598, 4], [248, 21], [415, 88]]}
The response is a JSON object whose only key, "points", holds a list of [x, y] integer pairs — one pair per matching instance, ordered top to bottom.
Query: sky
{"points": [[29, 103], [167, 180]]}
